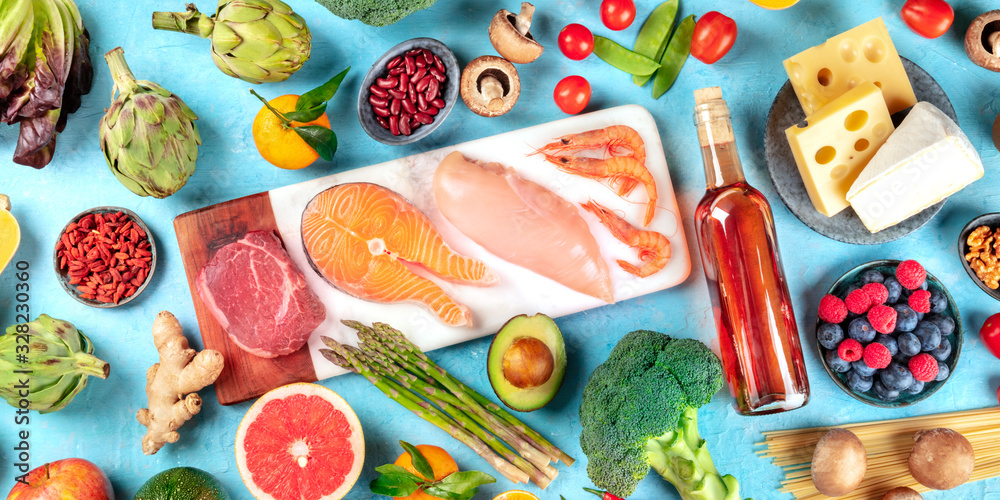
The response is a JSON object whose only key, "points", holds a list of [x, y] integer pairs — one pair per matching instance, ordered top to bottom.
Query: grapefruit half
{"points": [[300, 442]]}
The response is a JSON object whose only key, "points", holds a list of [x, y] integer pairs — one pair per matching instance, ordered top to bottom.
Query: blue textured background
{"points": [[100, 424]]}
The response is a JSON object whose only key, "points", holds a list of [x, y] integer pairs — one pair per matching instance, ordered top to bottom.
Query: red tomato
{"points": [[617, 14], [928, 18], [714, 34], [576, 41], [572, 94], [990, 334]]}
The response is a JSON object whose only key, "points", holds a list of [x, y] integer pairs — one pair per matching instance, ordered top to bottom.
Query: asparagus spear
{"points": [[375, 344], [404, 346], [345, 357], [469, 421]]}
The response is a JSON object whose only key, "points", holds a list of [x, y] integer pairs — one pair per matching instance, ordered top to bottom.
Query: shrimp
{"points": [[614, 140], [620, 169], [653, 247]]}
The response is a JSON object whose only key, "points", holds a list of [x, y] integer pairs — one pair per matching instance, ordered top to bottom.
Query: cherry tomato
{"points": [[617, 14], [928, 18], [714, 35], [576, 41], [572, 94], [990, 334]]}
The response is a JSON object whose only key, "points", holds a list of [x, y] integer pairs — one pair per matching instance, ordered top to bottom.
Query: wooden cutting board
{"points": [[200, 233]]}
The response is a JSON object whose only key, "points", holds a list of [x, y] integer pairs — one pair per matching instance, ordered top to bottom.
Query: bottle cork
{"points": [[712, 117]]}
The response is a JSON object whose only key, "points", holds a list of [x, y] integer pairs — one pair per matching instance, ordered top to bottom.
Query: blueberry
{"points": [[872, 276], [894, 288], [939, 301], [906, 318], [944, 323], [861, 330], [829, 335], [930, 335], [889, 342], [909, 344], [943, 351], [835, 363], [861, 368], [943, 372], [896, 377], [857, 382], [915, 388], [882, 392]]}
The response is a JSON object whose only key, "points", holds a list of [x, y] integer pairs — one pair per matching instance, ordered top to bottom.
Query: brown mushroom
{"points": [[510, 36], [982, 40], [490, 86], [941, 459], [839, 463], [902, 493]]}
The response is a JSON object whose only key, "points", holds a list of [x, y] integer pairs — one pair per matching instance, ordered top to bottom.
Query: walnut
{"points": [[984, 255]]}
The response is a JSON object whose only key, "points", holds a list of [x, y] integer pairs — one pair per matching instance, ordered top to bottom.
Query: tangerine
{"points": [[278, 143], [441, 463], [515, 495]]}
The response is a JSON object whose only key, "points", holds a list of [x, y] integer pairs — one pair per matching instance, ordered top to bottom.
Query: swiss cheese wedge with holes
{"points": [[862, 54], [832, 146]]}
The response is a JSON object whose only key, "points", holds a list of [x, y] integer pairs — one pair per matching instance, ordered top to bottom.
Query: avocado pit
{"points": [[528, 363]]}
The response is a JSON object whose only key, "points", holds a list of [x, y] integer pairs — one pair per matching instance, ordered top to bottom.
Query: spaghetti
{"points": [[888, 444]]}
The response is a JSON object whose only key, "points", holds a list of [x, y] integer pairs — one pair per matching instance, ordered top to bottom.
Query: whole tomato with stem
{"points": [[617, 14], [928, 18], [714, 34], [576, 41], [572, 94], [990, 334]]}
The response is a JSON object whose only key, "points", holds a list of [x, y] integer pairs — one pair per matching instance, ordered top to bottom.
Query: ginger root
{"points": [[172, 383]]}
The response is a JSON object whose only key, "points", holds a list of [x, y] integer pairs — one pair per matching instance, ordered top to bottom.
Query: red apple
{"points": [[74, 478]]}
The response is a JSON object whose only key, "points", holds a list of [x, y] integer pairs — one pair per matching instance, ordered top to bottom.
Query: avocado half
{"points": [[527, 362]]}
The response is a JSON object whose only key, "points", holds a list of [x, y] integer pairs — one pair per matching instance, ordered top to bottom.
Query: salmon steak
{"points": [[363, 238]]}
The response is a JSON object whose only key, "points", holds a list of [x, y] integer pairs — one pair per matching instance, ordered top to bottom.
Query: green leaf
{"points": [[313, 103], [324, 142], [419, 461], [397, 470], [465, 480], [393, 485], [436, 491]]}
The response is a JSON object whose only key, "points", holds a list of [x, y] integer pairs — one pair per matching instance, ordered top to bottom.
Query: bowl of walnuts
{"points": [[979, 248]]}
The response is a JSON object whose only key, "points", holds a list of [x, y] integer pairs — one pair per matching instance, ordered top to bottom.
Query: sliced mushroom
{"points": [[510, 36], [982, 40], [490, 86]]}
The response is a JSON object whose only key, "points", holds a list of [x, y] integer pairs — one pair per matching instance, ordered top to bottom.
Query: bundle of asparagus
{"points": [[401, 370]]}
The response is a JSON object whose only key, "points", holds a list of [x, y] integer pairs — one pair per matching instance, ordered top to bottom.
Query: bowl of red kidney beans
{"points": [[408, 91]]}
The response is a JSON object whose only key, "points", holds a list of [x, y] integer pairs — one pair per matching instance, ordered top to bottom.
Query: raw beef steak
{"points": [[259, 297]]}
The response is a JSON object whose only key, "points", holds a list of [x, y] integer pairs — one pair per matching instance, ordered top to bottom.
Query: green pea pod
{"points": [[653, 36], [622, 58], [673, 58]]}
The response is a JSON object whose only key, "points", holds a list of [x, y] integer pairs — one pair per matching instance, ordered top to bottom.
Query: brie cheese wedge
{"points": [[924, 161]]}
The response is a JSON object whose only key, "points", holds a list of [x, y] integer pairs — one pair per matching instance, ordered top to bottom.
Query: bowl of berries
{"points": [[889, 333]]}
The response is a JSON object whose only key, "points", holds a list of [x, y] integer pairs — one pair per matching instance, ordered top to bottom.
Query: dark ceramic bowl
{"points": [[449, 91], [993, 222], [888, 268], [63, 275]]}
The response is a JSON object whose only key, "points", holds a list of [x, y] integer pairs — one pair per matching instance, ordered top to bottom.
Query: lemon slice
{"points": [[775, 4], [10, 233]]}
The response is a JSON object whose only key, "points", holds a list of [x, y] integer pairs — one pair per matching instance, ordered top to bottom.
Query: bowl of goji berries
{"points": [[105, 257]]}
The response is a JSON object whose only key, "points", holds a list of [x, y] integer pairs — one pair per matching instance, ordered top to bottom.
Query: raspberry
{"points": [[910, 274], [877, 292], [920, 301], [858, 302], [832, 309], [882, 318], [850, 350], [877, 356], [924, 367]]}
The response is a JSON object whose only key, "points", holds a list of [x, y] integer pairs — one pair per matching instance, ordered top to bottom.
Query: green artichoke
{"points": [[253, 40], [148, 135], [55, 367]]}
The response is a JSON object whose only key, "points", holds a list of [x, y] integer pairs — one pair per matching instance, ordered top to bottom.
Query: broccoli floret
{"points": [[375, 12], [639, 411]]}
